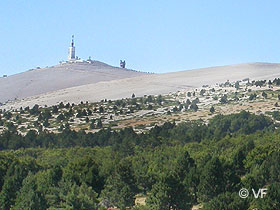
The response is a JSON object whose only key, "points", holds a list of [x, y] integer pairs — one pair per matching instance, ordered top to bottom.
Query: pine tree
{"points": [[194, 107], [212, 109], [99, 123], [92, 125], [211, 180], [29, 198]]}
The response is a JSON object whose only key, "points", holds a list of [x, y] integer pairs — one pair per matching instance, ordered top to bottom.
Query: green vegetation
{"points": [[87, 155], [173, 166]]}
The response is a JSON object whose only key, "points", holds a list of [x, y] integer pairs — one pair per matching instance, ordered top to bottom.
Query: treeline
{"points": [[126, 139], [173, 166]]}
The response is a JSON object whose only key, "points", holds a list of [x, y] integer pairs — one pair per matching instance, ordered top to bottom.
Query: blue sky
{"points": [[154, 36]]}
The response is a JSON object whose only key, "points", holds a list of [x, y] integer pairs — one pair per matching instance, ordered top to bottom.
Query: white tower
{"points": [[71, 51]]}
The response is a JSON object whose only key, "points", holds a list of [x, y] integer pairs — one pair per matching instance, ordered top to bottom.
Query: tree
{"points": [[260, 83], [237, 85], [202, 92], [264, 94], [133, 95], [252, 96], [149, 99], [159, 99], [224, 99], [195, 101], [188, 102], [61, 105], [67, 105], [181, 107], [194, 107], [101, 109], [212, 109], [34, 110], [55, 110], [84, 112], [89, 112], [69, 113], [79, 113], [7, 115], [47, 115], [40, 117], [60, 117], [46, 123], [99, 123], [92, 125], [11, 127], [5, 162], [270, 169], [84, 170], [188, 175], [211, 180], [13, 181], [120, 187], [164, 193], [70, 196], [165, 196], [29, 198], [159, 198], [271, 200], [227, 201]]}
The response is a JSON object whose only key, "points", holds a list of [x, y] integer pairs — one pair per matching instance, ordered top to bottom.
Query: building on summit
{"points": [[71, 51], [72, 58]]}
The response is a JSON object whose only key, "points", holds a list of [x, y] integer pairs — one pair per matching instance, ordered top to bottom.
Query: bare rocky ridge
{"points": [[40, 81], [150, 84]]}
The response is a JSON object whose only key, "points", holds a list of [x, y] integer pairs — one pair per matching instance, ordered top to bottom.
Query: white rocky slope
{"points": [[40, 81], [152, 84]]}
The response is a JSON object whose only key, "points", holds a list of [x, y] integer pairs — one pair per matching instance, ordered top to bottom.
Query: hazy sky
{"points": [[154, 36]]}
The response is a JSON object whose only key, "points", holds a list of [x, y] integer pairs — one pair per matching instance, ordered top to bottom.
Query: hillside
{"points": [[40, 81], [151, 84], [143, 113], [182, 141], [151, 146]]}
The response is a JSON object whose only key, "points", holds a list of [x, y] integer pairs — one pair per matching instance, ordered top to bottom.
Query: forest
{"points": [[173, 166]]}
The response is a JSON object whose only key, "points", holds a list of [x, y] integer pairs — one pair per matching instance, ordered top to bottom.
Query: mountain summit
{"points": [[67, 75]]}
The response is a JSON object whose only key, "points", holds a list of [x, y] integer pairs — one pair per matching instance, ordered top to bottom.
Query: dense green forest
{"points": [[173, 166]]}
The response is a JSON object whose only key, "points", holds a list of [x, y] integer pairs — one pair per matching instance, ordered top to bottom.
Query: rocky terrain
{"points": [[74, 85], [144, 112]]}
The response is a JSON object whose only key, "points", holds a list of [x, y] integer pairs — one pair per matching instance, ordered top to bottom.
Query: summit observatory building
{"points": [[71, 51]]}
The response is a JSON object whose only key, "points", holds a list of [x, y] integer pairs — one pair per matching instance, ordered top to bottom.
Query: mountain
{"points": [[40, 81], [146, 84]]}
